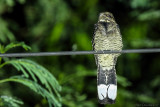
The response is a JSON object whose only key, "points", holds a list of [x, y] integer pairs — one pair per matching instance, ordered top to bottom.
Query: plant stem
{"points": [[3, 64], [7, 80]]}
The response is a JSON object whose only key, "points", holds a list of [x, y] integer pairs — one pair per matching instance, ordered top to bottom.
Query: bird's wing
{"points": [[93, 43]]}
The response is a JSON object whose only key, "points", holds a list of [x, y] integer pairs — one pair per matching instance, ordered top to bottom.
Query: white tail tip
{"points": [[107, 90]]}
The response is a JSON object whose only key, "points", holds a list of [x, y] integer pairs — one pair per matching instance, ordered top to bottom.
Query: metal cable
{"points": [[78, 53]]}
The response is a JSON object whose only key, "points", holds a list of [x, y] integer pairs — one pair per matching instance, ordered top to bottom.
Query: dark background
{"points": [[68, 25]]}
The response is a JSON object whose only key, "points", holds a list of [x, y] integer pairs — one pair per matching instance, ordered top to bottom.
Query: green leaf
{"points": [[22, 1], [10, 2], [139, 3], [149, 15], [56, 32], [5, 33], [83, 41], [147, 43], [13, 45], [36, 70], [37, 73], [123, 81], [155, 82], [35, 87], [146, 99], [6, 101]]}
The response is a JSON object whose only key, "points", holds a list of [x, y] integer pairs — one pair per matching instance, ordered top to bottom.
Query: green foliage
{"points": [[11, 3], [139, 3], [58, 25], [5, 33], [82, 40], [14, 45], [35, 70], [32, 73], [123, 81], [35, 87], [146, 99], [6, 101]]}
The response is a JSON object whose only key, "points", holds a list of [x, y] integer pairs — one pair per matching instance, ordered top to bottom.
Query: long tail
{"points": [[106, 85]]}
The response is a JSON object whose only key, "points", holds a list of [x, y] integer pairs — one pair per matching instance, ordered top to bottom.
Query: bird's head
{"points": [[106, 17]]}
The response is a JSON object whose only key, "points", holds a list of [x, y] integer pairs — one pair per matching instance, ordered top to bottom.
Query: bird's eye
{"points": [[109, 16]]}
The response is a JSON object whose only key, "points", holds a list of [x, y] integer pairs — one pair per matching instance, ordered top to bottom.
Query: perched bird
{"points": [[107, 36]]}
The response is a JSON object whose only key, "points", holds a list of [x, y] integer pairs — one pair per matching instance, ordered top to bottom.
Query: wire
{"points": [[78, 53]]}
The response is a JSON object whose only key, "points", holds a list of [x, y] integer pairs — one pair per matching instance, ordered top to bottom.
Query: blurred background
{"points": [[68, 25]]}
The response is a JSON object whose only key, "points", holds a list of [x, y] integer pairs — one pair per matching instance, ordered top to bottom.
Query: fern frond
{"points": [[13, 45], [1, 48], [37, 73], [35, 87], [6, 101]]}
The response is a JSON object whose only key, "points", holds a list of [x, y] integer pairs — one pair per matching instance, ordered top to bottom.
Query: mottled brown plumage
{"points": [[106, 37]]}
